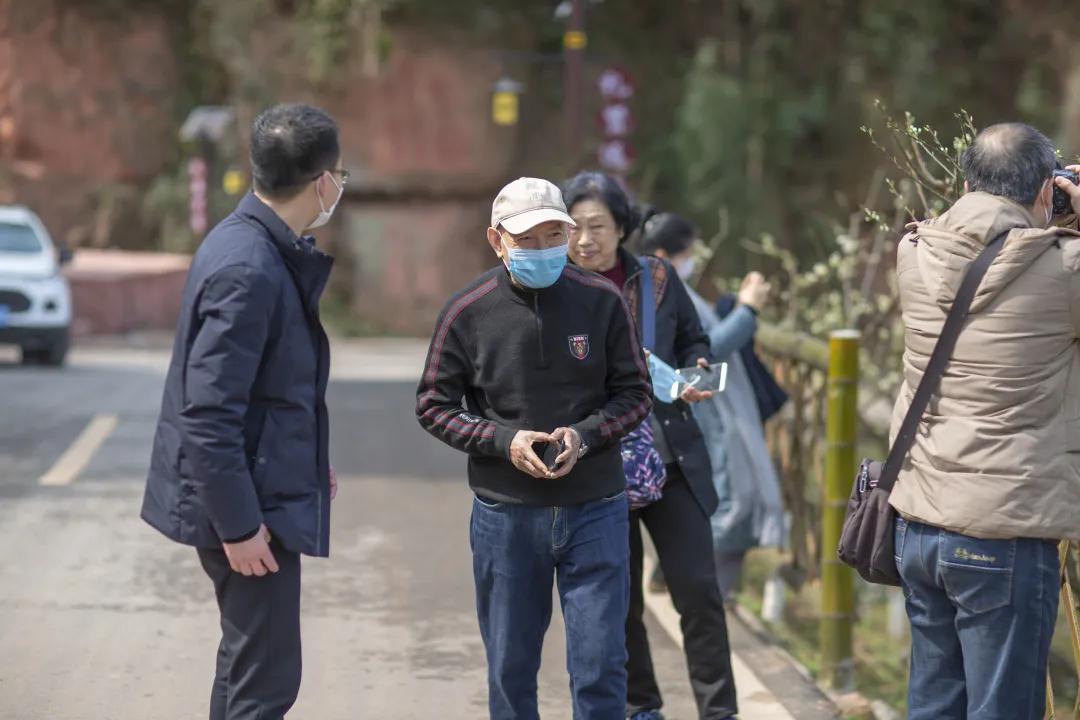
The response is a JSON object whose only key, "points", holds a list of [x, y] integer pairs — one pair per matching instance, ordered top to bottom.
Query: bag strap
{"points": [[647, 303], [939, 360]]}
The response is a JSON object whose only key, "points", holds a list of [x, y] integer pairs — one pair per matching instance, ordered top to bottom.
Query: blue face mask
{"points": [[537, 269], [665, 379]]}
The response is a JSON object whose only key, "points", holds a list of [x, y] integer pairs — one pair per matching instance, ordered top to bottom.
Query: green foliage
{"points": [[330, 24], [338, 32], [748, 110], [766, 125], [738, 139], [930, 168], [165, 205], [852, 286], [881, 660]]}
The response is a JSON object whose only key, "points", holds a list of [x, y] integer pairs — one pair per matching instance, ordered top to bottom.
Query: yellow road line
{"points": [[78, 456]]}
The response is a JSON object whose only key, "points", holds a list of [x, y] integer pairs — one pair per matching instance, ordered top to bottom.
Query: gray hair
{"points": [[1011, 160]]}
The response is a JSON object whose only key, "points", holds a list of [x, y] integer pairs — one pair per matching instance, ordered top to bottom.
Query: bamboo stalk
{"points": [[837, 583], [1068, 597]]}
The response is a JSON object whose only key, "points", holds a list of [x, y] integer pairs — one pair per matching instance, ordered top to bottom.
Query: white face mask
{"points": [[1050, 207], [324, 214], [685, 268]]}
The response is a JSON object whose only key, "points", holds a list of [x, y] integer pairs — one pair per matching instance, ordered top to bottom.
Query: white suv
{"points": [[35, 300]]}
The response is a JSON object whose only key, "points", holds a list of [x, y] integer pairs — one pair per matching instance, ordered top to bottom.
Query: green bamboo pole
{"points": [[837, 583]]}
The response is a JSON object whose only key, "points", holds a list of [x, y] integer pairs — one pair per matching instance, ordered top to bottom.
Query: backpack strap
{"points": [[647, 303]]}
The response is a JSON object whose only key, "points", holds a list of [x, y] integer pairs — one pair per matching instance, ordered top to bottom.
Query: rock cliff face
{"points": [[86, 104], [90, 105]]}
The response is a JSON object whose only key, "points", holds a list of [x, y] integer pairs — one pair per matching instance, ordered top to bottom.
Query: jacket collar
{"points": [[252, 208], [982, 216], [947, 244], [625, 258], [629, 262], [309, 266], [524, 294]]}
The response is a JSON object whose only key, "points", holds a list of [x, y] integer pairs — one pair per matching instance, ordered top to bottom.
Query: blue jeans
{"points": [[517, 550], [982, 614]]}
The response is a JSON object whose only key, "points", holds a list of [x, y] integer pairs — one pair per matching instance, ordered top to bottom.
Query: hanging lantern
{"points": [[505, 102]]}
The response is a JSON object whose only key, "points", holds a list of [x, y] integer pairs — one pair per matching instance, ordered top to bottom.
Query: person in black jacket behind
{"points": [[546, 360], [240, 467], [679, 522]]}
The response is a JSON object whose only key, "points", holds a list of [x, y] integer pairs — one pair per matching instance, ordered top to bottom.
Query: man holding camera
{"points": [[546, 360], [992, 481]]}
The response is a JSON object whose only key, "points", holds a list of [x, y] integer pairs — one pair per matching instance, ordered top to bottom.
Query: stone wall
{"points": [[86, 106], [89, 116], [426, 162], [407, 259], [115, 292]]}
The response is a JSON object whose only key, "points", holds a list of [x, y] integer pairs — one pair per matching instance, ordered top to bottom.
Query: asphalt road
{"points": [[101, 618]]}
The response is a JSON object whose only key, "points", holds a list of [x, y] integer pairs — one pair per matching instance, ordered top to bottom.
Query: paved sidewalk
{"points": [[104, 619]]}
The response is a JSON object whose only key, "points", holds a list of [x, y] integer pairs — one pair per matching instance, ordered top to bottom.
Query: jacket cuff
{"points": [[503, 437], [235, 517], [243, 538]]}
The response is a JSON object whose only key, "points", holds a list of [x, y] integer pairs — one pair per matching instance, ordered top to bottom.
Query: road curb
{"points": [[770, 683]]}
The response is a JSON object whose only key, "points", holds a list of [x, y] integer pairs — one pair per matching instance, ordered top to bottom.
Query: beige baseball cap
{"points": [[527, 202]]}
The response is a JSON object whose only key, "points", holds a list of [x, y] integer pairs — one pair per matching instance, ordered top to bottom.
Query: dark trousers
{"points": [[681, 532], [517, 552], [982, 615], [258, 660]]}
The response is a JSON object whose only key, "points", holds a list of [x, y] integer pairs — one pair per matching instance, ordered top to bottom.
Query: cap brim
{"points": [[528, 220]]}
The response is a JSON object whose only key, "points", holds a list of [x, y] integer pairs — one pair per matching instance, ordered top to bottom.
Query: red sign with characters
{"points": [[615, 84], [616, 120], [616, 155], [197, 172]]}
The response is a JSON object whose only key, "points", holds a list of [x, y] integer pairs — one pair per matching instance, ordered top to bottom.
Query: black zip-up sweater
{"points": [[521, 359]]}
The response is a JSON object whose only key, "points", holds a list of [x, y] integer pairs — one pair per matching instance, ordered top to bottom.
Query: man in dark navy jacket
{"points": [[240, 467]]}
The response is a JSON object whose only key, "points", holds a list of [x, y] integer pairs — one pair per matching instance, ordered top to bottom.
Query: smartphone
{"points": [[713, 379], [551, 453]]}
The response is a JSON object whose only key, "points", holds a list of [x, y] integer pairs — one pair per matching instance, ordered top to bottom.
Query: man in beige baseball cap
{"points": [[528, 231], [536, 373]]}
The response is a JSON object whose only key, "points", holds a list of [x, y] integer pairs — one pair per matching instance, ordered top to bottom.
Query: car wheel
{"points": [[56, 353], [53, 355]]}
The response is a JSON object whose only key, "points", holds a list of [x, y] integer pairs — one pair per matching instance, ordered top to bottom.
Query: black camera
{"points": [[1062, 201]]}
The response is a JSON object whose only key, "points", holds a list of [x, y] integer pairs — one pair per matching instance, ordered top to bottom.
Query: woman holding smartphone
{"points": [[751, 512], [678, 522]]}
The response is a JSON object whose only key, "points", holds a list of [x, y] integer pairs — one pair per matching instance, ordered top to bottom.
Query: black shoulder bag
{"points": [[866, 540]]}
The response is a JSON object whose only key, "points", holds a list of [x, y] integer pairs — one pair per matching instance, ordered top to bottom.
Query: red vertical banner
{"points": [[616, 154], [197, 191]]}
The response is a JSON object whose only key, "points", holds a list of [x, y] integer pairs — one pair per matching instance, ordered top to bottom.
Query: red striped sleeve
{"points": [[451, 315]]}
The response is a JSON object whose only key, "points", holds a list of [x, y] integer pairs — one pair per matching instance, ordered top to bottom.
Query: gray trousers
{"points": [[258, 660]]}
